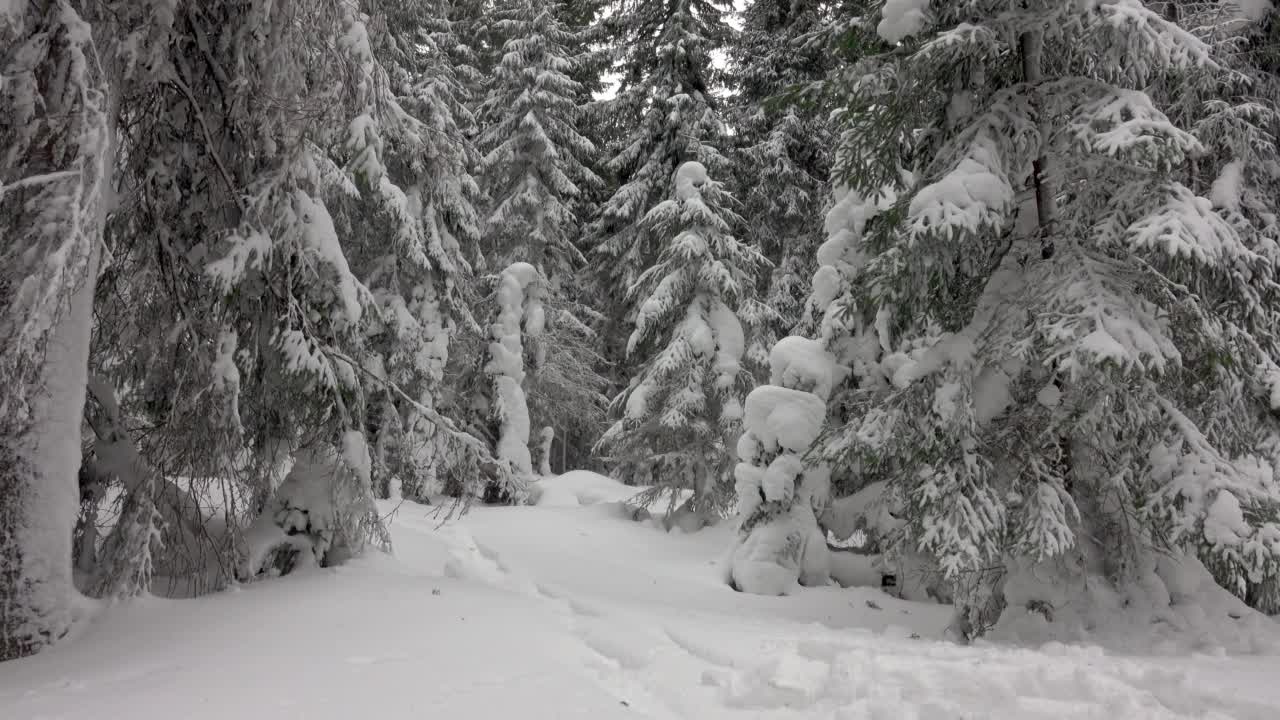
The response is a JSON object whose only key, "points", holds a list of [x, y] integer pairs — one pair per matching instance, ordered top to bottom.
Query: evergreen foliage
{"points": [[1094, 377], [684, 408]]}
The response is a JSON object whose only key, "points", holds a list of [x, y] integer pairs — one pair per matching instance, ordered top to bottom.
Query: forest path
{"points": [[569, 612], [669, 639]]}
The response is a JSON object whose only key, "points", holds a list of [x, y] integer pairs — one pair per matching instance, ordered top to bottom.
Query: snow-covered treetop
{"points": [[665, 82], [535, 165]]}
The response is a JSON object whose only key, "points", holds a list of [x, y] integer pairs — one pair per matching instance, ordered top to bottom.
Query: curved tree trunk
{"points": [[55, 141], [40, 491]]}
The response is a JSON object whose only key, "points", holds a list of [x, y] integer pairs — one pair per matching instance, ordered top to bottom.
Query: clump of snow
{"points": [[900, 19], [690, 178], [1227, 188], [975, 194], [320, 241], [839, 257], [730, 343], [804, 364], [225, 375], [991, 394], [1049, 396], [638, 400], [512, 410], [779, 417], [545, 438], [355, 453], [300, 515], [1224, 524], [778, 557], [1167, 604]]}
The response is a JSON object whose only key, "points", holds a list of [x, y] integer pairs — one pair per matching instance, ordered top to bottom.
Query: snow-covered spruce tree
{"points": [[664, 95], [1235, 113], [55, 134], [785, 139], [536, 162], [537, 177], [412, 229], [265, 258], [227, 269], [519, 315], [1101, 395], [682, 413], [781, 492]]}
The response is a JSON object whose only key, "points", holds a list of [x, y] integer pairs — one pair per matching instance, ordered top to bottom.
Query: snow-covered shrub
{"points": [[781, 494], [319, 515]]}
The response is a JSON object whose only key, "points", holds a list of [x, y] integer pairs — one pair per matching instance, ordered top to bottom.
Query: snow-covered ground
{"points": [[572, 610]]}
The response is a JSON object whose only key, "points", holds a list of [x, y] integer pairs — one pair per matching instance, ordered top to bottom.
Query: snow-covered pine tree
{"points": [[666, 73], [1235, 113], [55, 131], [785, 138], [536, 162], [537, 176], [412, 230], [265, 259], [227, 266], [1101, 396], [682, 413]]}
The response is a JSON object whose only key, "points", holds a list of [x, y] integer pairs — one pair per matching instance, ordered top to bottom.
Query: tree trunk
{"points": [[1031, 47], [51, 218], [40, 489]]}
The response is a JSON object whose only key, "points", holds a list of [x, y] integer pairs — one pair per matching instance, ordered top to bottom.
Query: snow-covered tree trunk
{"points": [[53, 128], [520, 314], [545, 438], [39, 489]]}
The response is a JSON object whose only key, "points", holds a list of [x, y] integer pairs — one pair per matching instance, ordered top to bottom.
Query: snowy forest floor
{"points": [[567, 611]]}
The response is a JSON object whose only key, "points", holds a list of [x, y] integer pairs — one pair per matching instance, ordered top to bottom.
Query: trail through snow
{"points": [[578, 612]]}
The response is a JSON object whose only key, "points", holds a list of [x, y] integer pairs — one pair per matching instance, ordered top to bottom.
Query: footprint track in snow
{"points": [[700, 650]]}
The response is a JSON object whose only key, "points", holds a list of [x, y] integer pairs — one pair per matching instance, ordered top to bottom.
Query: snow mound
{"points": [[581, 487], [1173, 607]]}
